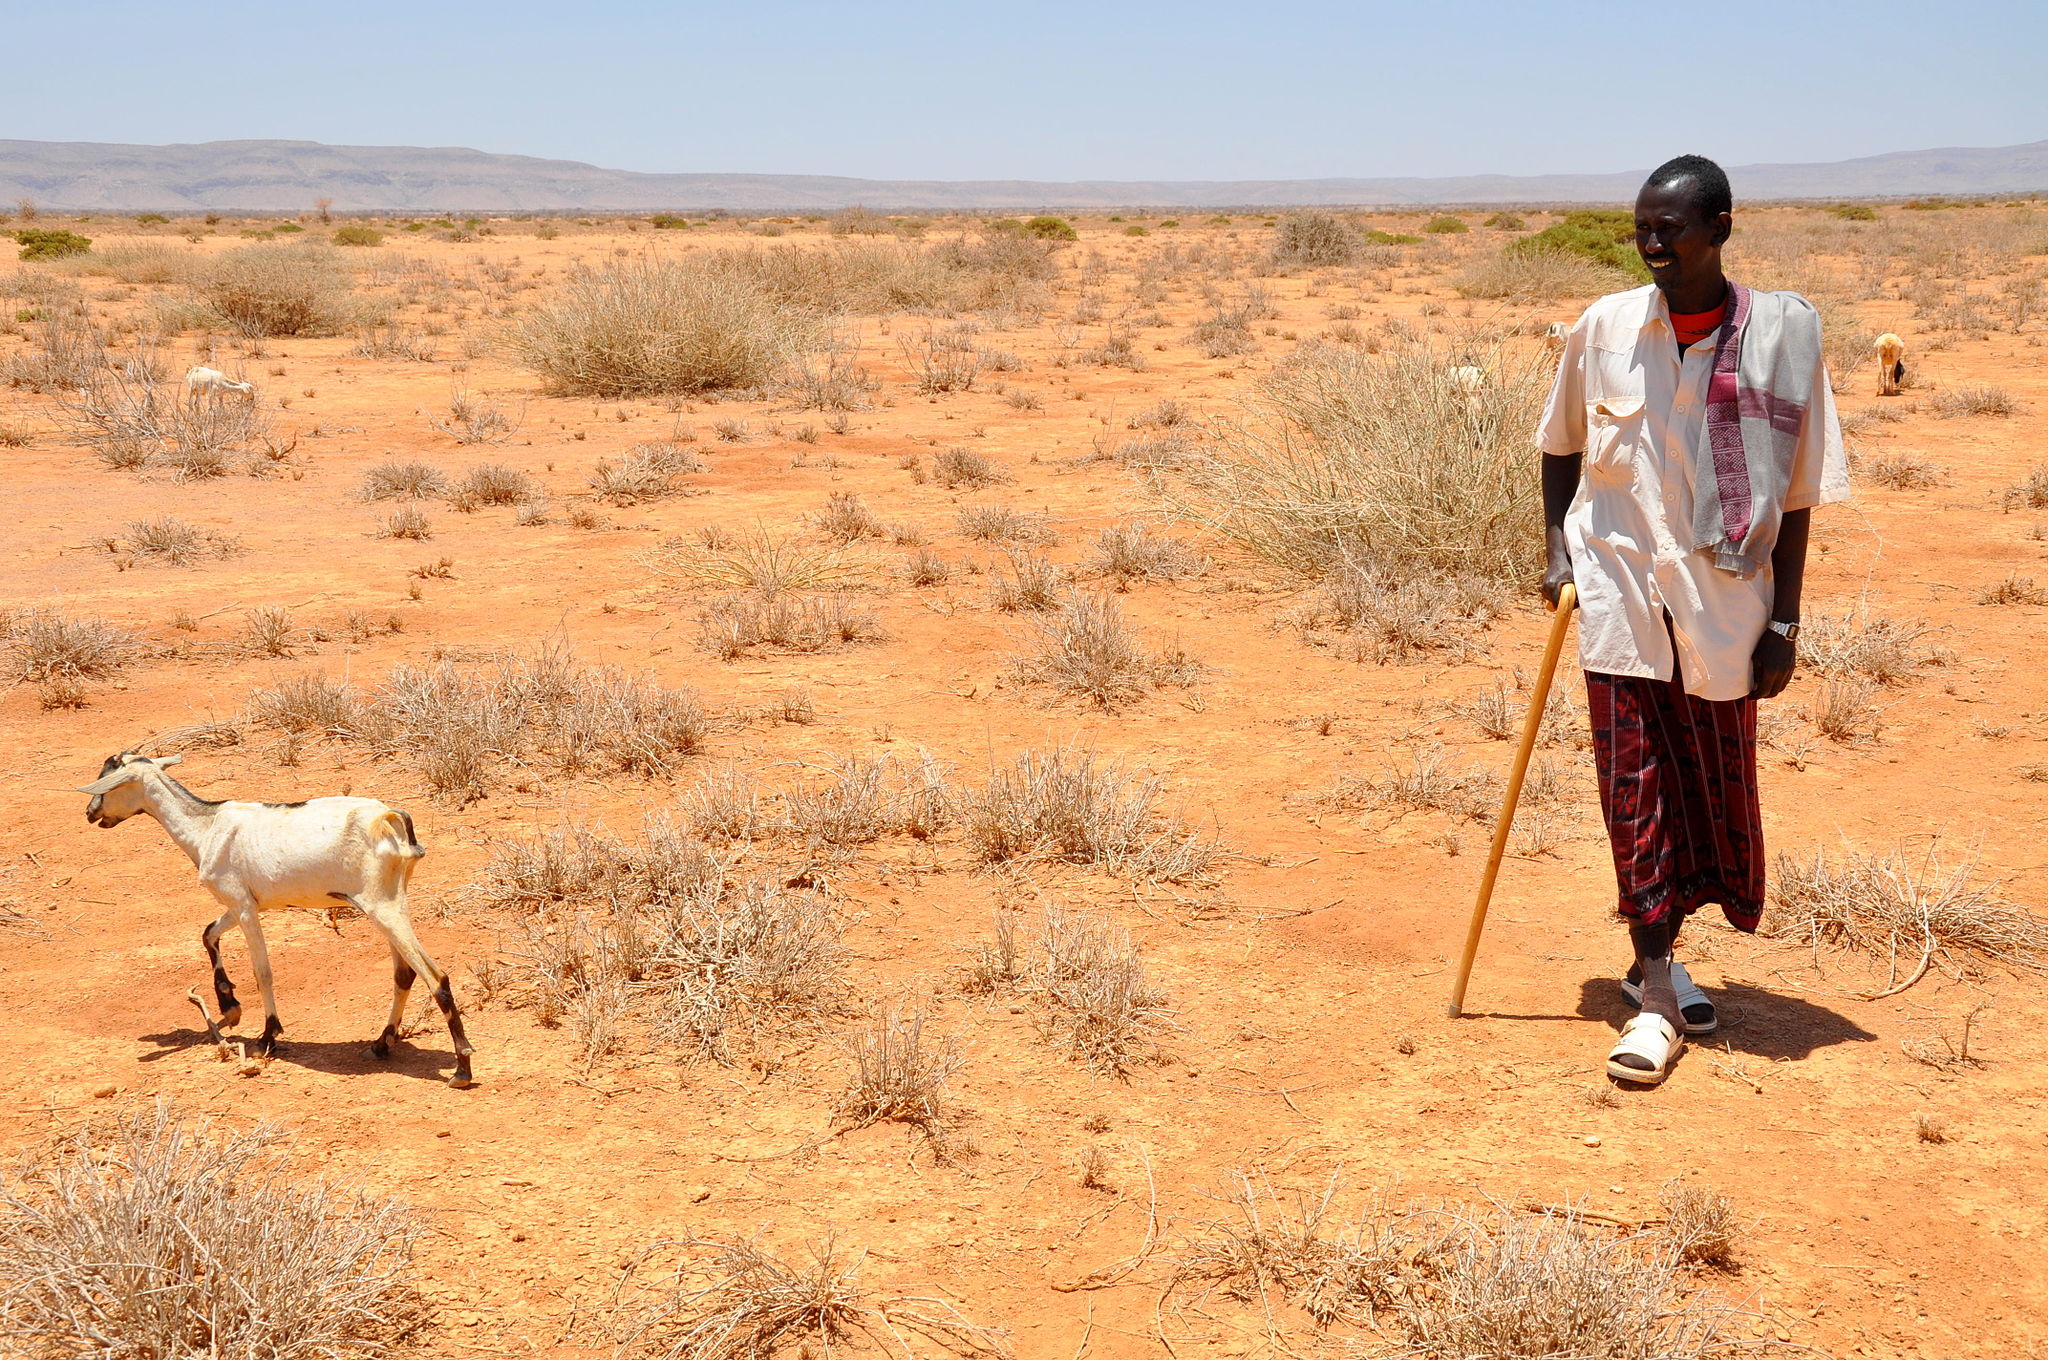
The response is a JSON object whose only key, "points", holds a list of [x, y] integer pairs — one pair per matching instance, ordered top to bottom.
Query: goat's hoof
{"points": [[230, 1017], [460, 1079]]}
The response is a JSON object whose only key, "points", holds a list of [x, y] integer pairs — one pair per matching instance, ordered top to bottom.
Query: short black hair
{"points": [[1707, 184]]}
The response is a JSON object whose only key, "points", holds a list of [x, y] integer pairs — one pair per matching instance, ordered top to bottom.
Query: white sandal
{"points": [[1693, 1004], [1651, 1038]]}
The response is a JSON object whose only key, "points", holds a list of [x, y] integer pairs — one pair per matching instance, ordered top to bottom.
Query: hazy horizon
{"points": [[1196, 91]]}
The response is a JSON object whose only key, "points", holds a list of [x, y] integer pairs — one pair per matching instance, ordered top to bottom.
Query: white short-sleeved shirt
{"points": [[1625, 400]]}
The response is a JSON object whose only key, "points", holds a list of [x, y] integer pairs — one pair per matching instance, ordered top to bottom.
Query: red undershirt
{"points": [[1693, 327]]}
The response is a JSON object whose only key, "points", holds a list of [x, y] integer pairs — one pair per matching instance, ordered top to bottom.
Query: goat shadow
{"points": [[1760, 1023], [336, 1059]]}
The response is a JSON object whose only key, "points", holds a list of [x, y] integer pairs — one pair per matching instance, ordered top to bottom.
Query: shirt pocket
{"points": [[1614, 408], [1614, 430]]}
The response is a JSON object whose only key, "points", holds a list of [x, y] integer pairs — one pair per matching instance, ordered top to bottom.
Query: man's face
{"points": [[1680, 246]]}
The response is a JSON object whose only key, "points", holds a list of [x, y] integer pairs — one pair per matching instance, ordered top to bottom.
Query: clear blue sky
{"points": [[1048, 90]]}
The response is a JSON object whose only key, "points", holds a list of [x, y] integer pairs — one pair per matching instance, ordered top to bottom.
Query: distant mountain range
{"points": [[278, 176]]}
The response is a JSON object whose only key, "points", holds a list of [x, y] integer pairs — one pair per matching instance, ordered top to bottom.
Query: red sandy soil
{"points": [[1308, 981]]}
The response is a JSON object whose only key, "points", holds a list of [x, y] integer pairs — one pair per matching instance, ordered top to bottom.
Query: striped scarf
{"points": [[1765, 358]]}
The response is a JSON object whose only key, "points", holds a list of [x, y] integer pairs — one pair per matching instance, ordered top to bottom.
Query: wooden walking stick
{"points": [[1567, 600]]}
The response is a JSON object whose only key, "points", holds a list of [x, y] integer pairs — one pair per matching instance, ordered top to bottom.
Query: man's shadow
{"points": [[1754, 1021], [336, 1059]]}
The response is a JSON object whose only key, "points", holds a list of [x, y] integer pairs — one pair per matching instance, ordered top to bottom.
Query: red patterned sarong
{"points": [[1678, 789]]}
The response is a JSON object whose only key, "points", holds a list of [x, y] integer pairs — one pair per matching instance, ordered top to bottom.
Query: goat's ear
{"points": [[163, 762], [107, 784]]}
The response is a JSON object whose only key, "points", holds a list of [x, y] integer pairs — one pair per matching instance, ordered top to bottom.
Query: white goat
{"points": [[1554, 336], [1891, 364], [1466, 380], [212, 382], [257, 857]]}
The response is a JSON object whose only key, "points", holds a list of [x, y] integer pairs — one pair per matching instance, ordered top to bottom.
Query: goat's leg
{"points": [[410, 957], [259, 959], [402, 975], [223, 990]]}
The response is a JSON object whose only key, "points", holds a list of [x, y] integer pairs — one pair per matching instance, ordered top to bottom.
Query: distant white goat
{"points": [[1554, 336], [1891, 364], [1466, 379], [212, 382], [257, 857]]}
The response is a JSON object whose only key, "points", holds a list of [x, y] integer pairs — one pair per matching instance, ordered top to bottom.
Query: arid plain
{"points": [[1237, 980]]}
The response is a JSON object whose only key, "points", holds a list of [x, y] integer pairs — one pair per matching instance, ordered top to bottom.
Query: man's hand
{"points": [[1556, 577], [1771, 664]]}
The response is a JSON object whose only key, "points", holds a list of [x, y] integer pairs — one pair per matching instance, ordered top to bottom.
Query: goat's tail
{"points": [[397, 849]]}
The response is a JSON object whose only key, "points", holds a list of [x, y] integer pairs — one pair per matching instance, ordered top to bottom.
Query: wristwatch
{"points": [[1787, 631]]}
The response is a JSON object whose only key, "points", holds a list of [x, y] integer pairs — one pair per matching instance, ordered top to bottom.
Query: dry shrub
{"points": [[1315, 240], [153, 262], [963, 274], [1538, 276], [275, 290], [654, 325], [393, 342], [67, 350], [946, 361], [839, 384], [1973, 401], [132, 420], [475, 420], [1167, 449], [1381, 458], [958, 467], [1901, 472], [647, 473], [403, 479], [492, 484], [2031, 494], [847, 519], [407, 522], [1003, 524], [165, 539], [1136, 552], [756, 559], [926, 568], [1024, 581], [2014, 589], [1386, 616], [732, 624], [269, 631], [43, 645], [1856, 645], [1085, 648], [306, 703], [1847, 710], [457, 725], [1428, 784], [1065, 804], [724, 807], [1894, 905], [1100, 1005], [898, 1077], [1701, 1224], [155, 1237], [1454, 1281], [739, 1301]]}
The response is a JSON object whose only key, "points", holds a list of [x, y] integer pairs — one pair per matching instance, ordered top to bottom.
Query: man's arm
{"points": [[1560, 486], [1771, 664]]}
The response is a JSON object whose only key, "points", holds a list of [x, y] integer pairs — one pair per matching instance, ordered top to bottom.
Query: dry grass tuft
{"points": [[1538, 276], [653, 325], [1973, 401], [1381, 459], [955, 468], [1902, 472], [647, 473], [402, 479], [492, 484], [2030, 494], [846, 519], [407, 522], [1004, 524], [173, 541], [1135, 552], [756, 559], [1025, 581], [2014, 589], [1385, 616], [732, 625], [43, 645], [1856, 645], [1085, 649], [1847, 710], [1428, 784], [1064, 804], [1894, 906], [1101, 1006], [898, 1077], [1701, 1224], [157, 1237], [1452, 1281], [738, 1301]]}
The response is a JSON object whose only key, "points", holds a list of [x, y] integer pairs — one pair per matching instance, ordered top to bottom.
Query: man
{"points": [[1689, 434]]}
